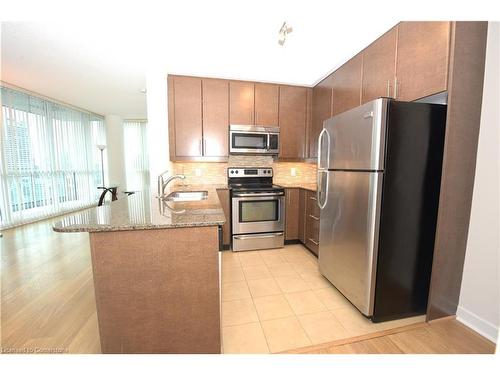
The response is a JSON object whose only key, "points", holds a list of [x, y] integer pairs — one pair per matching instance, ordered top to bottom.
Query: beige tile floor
{"points": [[276, 300]]}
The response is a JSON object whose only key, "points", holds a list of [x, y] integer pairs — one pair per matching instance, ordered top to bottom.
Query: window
{"points": [[136, 156], [49, 160]]}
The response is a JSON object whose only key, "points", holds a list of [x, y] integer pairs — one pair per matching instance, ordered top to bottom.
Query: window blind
{"points": [[136, 155], [49, 161]]}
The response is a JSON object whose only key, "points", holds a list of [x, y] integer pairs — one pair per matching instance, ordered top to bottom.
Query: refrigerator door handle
{"points": [[320, 138], [321, 169], [322, 205]]}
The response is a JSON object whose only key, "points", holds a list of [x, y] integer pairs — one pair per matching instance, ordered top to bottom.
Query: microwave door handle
{"points": [[268, 141]]}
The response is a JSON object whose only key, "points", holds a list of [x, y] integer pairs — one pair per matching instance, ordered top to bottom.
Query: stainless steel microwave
{"points": [[250, 139]]}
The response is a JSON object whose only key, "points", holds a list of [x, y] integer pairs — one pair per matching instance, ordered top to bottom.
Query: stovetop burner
{"points": [[251, 179]]}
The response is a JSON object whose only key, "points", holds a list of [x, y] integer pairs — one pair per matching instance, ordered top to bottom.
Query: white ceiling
{"points": [[101, 64]]}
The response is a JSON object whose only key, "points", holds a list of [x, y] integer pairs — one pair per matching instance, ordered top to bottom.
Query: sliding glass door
{"points": [[49, 161]]}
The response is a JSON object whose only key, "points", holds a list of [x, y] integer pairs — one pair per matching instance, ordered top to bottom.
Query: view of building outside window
{"points": [[50, 162]]}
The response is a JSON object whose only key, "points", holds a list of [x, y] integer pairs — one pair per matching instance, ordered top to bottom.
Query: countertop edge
{"points": [[82, 228]]}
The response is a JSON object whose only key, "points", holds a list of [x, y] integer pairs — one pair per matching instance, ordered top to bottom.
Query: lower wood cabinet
{"points": [[224, 199], [292, 214], [302, 215], [302, 218], [312, 222]]}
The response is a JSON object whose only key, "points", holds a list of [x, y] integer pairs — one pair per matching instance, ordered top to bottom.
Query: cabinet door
{"points": [[422, 60], [379, 67], [347, 85], [241, 103], [266, 104], [321, 111], [187, 116], [215, 117], [292, 121], [307, 144], [225, 203], [292, 214], [302, 215], [312, 222]]}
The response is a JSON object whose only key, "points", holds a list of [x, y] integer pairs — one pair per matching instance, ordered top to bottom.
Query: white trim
{"points": [[48, 98], [478, 324]]}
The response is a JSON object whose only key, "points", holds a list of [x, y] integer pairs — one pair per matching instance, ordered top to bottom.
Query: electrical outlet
{"points": [[198, 172], [293, 172]]}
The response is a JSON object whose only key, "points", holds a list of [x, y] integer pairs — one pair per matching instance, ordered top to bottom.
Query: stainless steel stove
{"points": [[257, 209]]}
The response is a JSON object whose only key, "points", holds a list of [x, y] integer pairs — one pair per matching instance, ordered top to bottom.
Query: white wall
{"points": [[157, 102], [115, 152], [479, 296]]}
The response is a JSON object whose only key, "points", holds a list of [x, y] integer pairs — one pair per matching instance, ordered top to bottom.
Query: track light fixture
{"points": [[284, 31]]}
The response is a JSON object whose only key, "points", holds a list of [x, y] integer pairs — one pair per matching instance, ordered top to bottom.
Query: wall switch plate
{"points": [[293, 172]]}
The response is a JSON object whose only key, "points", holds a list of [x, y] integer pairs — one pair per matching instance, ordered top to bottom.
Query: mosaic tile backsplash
{"points": [[215, 173]]}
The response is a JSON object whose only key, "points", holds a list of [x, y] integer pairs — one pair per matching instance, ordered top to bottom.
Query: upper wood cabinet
{"points": [[422, 59], [379, 67], [347, 85], [241, 103], [266, 104], [201, 109], [321, 110], [186, 117], [215, 117], [292, 121]]}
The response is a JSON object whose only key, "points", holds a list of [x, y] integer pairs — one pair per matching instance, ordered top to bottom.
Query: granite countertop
{"points": [[312, 187], [143, 210]]}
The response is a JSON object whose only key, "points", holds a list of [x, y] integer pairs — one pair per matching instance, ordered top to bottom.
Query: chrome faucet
{"points": [[162, 184]]}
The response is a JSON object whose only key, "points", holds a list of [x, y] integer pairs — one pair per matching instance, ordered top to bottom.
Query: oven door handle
{"points": [[258, 194], [251, 236]]}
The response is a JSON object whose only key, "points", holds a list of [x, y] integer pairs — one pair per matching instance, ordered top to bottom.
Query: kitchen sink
{"points": [[187, 196]]}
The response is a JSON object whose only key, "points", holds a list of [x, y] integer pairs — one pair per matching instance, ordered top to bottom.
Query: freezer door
{"points": [[357, 137], [348, 241]]}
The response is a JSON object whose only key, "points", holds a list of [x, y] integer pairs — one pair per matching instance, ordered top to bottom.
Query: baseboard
{"points": [[478, 324]]}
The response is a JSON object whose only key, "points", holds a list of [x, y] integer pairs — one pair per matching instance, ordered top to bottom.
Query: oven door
{"points": [[242, 142], [258, 212]]}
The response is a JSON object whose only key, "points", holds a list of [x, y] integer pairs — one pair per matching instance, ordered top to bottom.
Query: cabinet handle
{"points": [[395, 87], [388, 88], [200, 146], [204, 146], [313, 198], [314, 217], [314, 242]]}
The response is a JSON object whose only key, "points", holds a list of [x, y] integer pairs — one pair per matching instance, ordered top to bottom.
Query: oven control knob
{"points": [[232, 172], [236, 172]]}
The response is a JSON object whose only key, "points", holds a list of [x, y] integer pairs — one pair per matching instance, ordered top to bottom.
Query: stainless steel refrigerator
{"points": [[379, 173]]}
